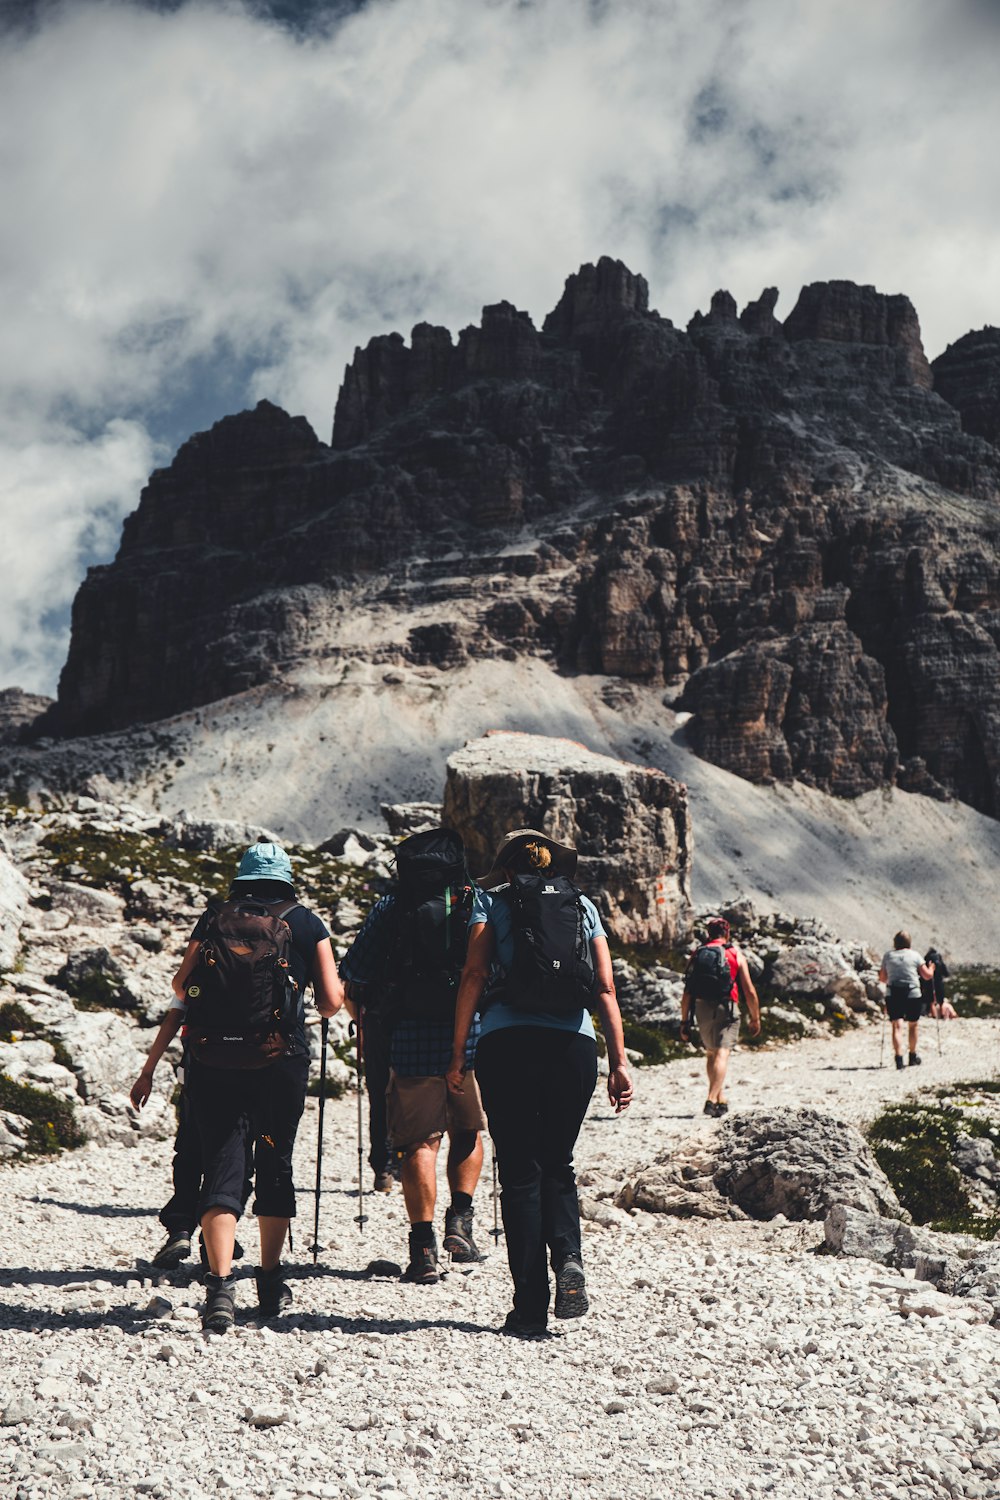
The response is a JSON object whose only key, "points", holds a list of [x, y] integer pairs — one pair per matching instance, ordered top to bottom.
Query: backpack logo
{"points": [[549, 890], [556, 963], [194, 990]]}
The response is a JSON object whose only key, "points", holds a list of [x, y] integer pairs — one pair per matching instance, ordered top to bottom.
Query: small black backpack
{"points": [[431, 925], [553, 968], [709, 976], [242, 1001]]}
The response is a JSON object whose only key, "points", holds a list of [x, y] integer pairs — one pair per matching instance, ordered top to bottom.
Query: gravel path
{"points": [[720, 1359]]}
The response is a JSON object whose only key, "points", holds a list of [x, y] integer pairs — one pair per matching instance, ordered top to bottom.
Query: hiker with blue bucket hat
{"points": [[240, 996]]}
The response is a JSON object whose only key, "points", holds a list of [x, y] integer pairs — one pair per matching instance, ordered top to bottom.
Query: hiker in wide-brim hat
{"points": [[562, 857], [538, 961]]}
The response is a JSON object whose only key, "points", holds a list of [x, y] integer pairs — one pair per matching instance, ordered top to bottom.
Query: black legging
{"points": [[536, 1084]]}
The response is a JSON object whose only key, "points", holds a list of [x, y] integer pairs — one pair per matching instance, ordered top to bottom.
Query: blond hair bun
{"points": [[539, 856]]}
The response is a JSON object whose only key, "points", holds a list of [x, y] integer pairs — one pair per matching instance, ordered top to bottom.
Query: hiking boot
{"points": [[914, 1060], [899, 1063], [709, 1108], [721, 1108], [383, 1182], [458, 1239], [176, 1248], [423, 1267], [571, 1290], [274, 1295], [219, 1313], [522, 1327]]}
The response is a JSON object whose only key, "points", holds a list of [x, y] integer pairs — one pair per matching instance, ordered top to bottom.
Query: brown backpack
{"points": [[242, 1001]]}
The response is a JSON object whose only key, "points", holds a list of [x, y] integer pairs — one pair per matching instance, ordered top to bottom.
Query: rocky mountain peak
{"points": [[596, 295], [845, 313], [967, 375], [784, 524]]}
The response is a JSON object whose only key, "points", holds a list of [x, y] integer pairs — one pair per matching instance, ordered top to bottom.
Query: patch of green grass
{"points": [[975, 991], [13, 1018], [655, 1044], [52, 1121], [913, 1144]]}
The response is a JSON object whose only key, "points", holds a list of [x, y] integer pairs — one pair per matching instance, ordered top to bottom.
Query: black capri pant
{"points": [[235, 1109]]}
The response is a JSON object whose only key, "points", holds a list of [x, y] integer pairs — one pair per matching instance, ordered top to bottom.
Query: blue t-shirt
{"points": [[493, 908]]}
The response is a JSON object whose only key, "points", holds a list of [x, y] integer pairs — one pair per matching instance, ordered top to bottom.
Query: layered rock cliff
{"points": [[792, 527]]}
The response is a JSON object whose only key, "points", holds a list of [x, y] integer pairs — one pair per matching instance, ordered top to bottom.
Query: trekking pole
{"points": [[881, 1055], [319, 1138], [360, 1220], [496, 1231]]}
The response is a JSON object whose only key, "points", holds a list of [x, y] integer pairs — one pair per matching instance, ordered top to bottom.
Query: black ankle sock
{"points": [[461, 1202], [422, 1233]]}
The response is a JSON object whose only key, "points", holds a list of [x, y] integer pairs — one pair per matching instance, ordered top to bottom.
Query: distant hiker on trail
{"points": [[538, 950], [410, 953], [902, 970], [717, 979], [242, 983], [932, 991], [179, 1216]]}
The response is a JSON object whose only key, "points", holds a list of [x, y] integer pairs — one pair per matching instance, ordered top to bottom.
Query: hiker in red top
{"points": [[717, 979]]}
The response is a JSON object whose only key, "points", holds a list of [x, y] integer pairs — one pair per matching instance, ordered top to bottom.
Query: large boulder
{"points": [[630, 824], [817, 972], [800, 1163], [851, 1231]]}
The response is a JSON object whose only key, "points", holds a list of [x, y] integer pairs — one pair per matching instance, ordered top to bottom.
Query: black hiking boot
{"points": [[914, 1060], [899, 1063], [458, 1239], [177, 1247], [423, 1267], [571, 1290], [274, 1295], [219, 1313], [524, 1328]]}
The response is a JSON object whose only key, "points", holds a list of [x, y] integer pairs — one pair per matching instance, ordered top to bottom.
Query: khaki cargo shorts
{"points": [[717, 1026], [422, 1109]]}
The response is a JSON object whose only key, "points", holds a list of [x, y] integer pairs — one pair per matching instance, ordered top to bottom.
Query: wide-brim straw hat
{"points": [[564, 856]]}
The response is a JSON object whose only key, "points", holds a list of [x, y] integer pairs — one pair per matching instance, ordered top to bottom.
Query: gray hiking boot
{"points": [[458, 1239], [176, 1247], [571, 1290], [219, 1313]]}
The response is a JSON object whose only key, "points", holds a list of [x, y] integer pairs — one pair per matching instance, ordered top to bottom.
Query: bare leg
{"points": [[913, 1035], [897, 1037], [716, 1064], [465, 1161], [419, 1179], [218, 1233], [272, 1238]]}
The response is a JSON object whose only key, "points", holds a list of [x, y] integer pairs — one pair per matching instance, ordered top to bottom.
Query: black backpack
{"points": [[426, 956], [553, 968], [709, 976], [242, 1001]]}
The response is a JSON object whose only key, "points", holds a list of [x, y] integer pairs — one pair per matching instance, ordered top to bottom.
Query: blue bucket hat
{"points": [[265, 862]]}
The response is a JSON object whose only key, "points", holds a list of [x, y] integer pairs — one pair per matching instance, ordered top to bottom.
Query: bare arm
{"points": [[478, 959], [926, 971], [179, 982], [327, 985], [749, 995], [619, 1082], [143, 1085]]}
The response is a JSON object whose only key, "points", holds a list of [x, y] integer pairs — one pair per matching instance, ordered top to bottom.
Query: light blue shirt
{"points": [[498, 1016]]}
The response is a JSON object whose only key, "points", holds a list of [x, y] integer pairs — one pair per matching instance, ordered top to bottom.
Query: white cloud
{"points": [[201, 186]]}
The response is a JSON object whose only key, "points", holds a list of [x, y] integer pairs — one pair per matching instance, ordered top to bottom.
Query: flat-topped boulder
{"points": [[630, 824]]}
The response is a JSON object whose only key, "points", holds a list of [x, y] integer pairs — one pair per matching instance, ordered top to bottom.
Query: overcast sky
{"points": [[206, 202]]}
